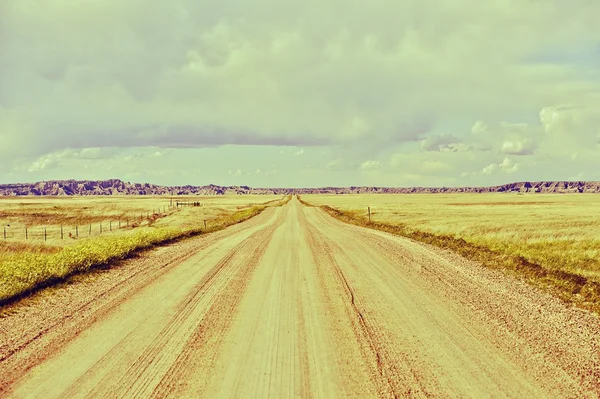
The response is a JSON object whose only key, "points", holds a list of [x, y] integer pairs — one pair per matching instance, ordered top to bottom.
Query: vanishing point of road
{"points": [[294, 303]]}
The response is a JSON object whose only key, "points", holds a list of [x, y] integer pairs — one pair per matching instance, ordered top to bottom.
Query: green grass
{"points": [[550, 241], [23, 270]]}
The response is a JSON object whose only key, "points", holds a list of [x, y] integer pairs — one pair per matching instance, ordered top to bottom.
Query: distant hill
{"points": [[119, 187]]}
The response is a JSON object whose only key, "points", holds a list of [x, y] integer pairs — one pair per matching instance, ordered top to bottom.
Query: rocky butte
{"points": [[119, 187]]}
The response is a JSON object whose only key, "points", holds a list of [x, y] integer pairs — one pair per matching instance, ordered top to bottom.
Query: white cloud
{"points": [[186, 74], [480, 127], [443, 142], [518, 147], [55, 159], [43, 163], [335, 164], [370, 165], [506, 166]]}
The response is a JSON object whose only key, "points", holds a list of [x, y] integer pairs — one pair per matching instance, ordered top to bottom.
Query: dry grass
{"points": [[90, 213], [551, 240], [26, 265]]}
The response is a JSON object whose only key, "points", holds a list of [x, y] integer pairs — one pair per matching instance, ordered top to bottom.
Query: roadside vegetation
{"points": [[550, 240], [27, 265]]}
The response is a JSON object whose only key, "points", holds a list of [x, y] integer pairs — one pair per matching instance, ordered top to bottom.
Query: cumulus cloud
{"points": [[185, 73], [579, 124], [479, 128], [443, 142], [518, 147], [55, 159], [43, 163], [336, 164], [370, 165], [506, 166]]}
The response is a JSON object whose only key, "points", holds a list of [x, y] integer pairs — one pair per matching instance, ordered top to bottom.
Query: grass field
{"points": [[129, 224], [552, 240]]}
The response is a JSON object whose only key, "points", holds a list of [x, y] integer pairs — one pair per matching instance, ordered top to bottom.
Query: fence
{"points": [[196, 203], [63, 232]]}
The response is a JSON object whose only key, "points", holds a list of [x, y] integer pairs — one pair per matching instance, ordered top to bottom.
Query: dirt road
{"points": [[296, 304]]}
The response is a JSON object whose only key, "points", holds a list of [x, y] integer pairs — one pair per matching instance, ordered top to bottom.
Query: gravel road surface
{"points": [[294, 303]]}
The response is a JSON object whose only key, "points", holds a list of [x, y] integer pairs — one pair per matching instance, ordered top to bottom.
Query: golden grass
{"points": [[82, 217], [550, 240], [26, 266]]}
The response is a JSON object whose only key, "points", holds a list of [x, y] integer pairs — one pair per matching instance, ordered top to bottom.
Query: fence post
{"points": [[369, 214], [119, 223], [204, 224], [110, 226], [100, 228], [76, 231], [5, 232], [61, 233], [90, 233], [26, 235], [45, 235]]}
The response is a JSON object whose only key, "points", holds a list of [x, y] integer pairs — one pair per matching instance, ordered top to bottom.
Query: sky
{"points": [[271, 93]]}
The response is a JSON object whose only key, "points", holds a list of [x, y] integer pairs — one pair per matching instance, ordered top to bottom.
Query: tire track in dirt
{"points": [[297, 304], [38, 333], [208, 336], [121, 345], [556, 347], [371, 349], [419, 349], [274, 360], [149, 369], [363, 377]]}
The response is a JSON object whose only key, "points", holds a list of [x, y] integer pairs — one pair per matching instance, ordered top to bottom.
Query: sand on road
{"points": [[296, 304]]}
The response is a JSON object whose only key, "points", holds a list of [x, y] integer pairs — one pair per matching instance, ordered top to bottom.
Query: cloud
{"points": [[187, 74], [363, 82], [581, 124], [479, 128], [502, 138], [441, 142], [518, 147], [55, 159], [43, 163], [424, 163], [336, 164], [370, 165], [506, 166]]}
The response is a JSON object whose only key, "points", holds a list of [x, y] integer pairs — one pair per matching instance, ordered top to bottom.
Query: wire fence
{"points": [[64, 232]]}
